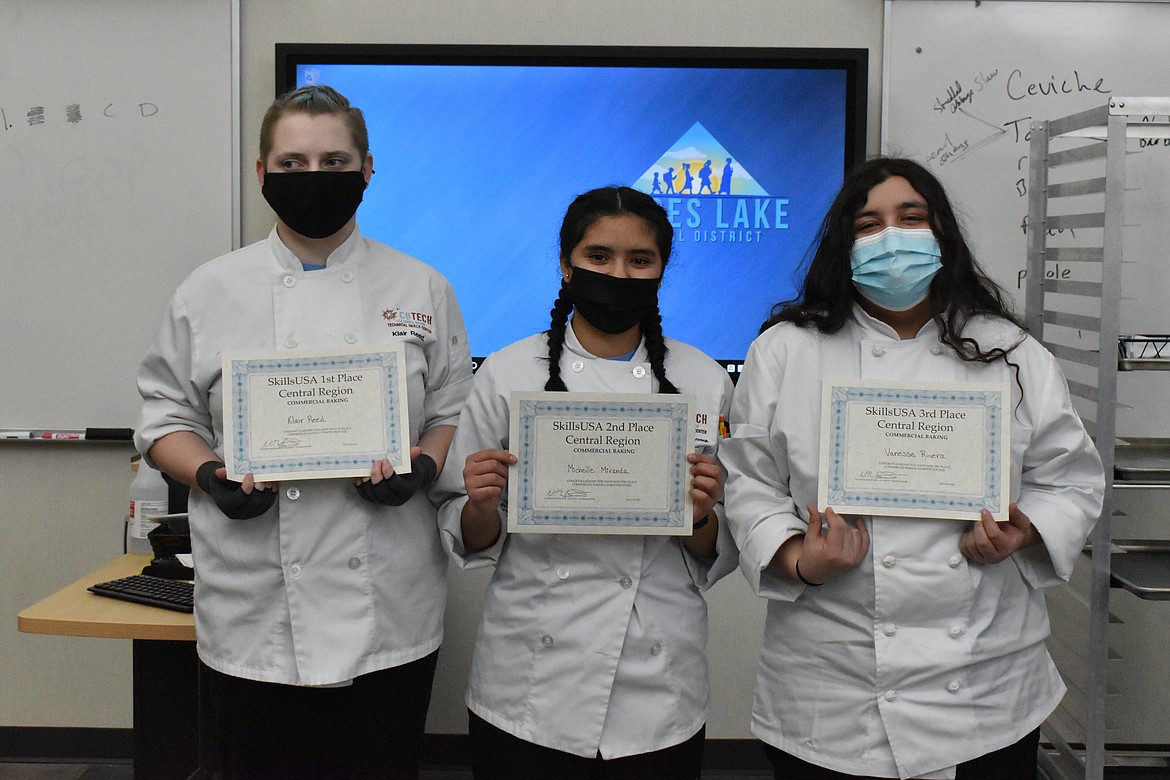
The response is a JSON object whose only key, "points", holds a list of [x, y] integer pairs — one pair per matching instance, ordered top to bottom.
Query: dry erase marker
{"points": [[16, 434], [61, 435]]}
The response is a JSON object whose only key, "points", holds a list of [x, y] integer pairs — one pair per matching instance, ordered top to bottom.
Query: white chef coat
{"points": [[325, 586], [588, 643], [918, 659]]}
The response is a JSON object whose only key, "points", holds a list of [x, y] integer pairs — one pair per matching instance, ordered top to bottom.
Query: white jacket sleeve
{"points": [[448, 362], [173, 396], [483, 424], [1061, 483], [760, 511], [705, 573]]}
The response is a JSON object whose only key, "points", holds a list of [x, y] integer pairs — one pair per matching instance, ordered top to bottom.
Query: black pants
{"points": [[370, 729], [497, 755], [1014, 762]]}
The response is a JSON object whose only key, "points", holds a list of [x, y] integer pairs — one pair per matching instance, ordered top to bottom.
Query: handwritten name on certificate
{"points": [[314, 416], [915, 449], [600, 463]]}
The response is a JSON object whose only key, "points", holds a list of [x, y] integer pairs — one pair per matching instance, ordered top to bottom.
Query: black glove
{"points": [[397, 490], [230, 497]]}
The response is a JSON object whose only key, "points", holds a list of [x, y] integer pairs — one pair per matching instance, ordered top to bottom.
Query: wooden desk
{"points": [[74, 611], [166, 670]]}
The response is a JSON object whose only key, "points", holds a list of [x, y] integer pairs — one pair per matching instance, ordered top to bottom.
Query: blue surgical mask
{"points": [[893, 268]]}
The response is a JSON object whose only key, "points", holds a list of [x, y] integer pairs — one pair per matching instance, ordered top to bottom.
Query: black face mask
{"points": [[315, 204], [610, 304]]}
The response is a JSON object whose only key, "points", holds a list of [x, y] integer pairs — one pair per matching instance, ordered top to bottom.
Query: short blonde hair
{"points": [[315, 100]]}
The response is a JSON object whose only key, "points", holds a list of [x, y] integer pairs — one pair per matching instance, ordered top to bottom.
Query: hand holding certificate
{"points": [[311, 416], [915, 449], [600, 463]]}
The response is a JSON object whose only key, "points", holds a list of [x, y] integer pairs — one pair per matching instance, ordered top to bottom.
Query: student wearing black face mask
{"points": [[319, 607], [590, 661]]}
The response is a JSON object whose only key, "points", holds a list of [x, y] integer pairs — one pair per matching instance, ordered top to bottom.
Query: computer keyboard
{"points": [[178, 595]]}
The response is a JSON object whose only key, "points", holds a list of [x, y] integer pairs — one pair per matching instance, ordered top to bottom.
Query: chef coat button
{"points": [[347, 276], [289, 281], [350, 338], [454, 340], [290, 344], [936, 350], [878, 351], [578, 366], [639, 372], [293, 493], [955, 560], [889, 561], [355, 562], [295, 570], [563, 573], [625, 582], [890, 629], [956, 631], [546, 640], [655, 648], [954, 685], [891, 695]]}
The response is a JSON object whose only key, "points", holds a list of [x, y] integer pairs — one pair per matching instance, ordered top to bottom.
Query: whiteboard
{"points": [[963, 82], [119, 170]]}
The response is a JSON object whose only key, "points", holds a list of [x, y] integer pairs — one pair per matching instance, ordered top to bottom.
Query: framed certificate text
{"points": [[311, 416], [915, 449], [613, 463]]}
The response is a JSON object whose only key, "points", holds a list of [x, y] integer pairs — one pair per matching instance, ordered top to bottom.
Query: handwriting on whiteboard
{"points": [[73, 113]]}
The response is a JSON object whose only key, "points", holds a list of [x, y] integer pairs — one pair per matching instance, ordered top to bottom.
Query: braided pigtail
{"points": [[556, 343], [656, 351]]}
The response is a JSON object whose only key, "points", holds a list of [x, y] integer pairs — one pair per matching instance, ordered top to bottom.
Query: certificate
{"points": [[312, 416], [915, 449], [600, 463]]}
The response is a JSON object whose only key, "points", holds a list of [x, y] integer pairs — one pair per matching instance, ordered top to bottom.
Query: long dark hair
{"points": [[586, 209], [960, 290]]}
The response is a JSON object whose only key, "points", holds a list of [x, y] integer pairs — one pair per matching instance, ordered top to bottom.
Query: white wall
{"points": [[61, 507]]}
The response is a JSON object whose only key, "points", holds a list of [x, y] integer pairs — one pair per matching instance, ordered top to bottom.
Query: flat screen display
{"points": [[479, 150]]}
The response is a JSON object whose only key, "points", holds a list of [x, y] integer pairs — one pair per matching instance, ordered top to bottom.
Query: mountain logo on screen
{"points": [[697, 165], [709, 196]]}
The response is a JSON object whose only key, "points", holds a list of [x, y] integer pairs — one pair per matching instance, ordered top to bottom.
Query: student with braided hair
{"points": [[591, 657]]}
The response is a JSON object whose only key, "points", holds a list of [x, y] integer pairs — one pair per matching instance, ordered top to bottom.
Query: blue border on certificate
{"points": [[990, 401], [245, 461], [678, 473]]}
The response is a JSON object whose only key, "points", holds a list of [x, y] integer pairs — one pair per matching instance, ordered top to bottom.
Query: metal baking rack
{"points": [[1079, 322]]}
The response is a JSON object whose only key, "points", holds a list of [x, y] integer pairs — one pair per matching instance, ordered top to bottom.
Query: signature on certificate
{"points": [[289, 443], [879, 475], [566, 493]]}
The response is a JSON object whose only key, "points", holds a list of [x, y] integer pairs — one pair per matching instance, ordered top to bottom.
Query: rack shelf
{"points": [[1142, 569]]}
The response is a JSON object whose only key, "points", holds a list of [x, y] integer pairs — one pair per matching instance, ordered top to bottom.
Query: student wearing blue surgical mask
{"points": [[896, 646]]}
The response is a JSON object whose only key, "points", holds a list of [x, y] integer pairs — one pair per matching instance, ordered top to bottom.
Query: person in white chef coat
{"points": [[318, 603], [894, 646], [590, 660]]}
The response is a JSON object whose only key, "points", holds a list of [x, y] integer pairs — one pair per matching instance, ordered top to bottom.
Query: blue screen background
{"points": [[475, 165]]}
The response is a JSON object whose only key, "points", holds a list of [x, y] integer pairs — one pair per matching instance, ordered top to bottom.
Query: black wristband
{"points": [[206, 473], [399, 489], [229, 495], [702, 522], [800, 577]]}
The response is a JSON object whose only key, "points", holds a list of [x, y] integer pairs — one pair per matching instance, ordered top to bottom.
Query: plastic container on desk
{"points": [[149, 498]]}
